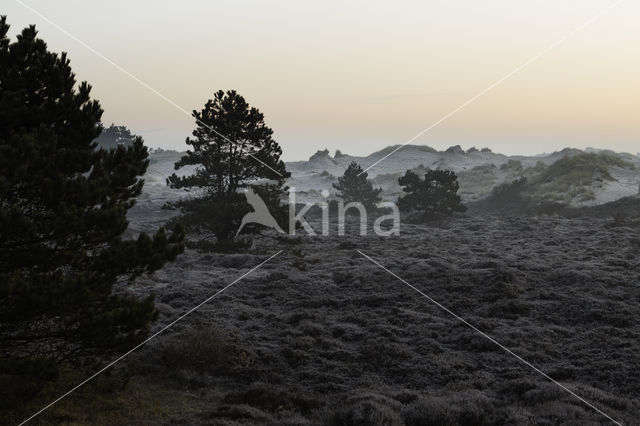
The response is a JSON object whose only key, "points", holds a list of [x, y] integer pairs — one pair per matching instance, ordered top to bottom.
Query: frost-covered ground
{"points": [[320, 335]]}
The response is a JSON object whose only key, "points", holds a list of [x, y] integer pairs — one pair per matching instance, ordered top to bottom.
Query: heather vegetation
{"points": [[572, 177], [477, 182], [554, 188], [325, 337]]}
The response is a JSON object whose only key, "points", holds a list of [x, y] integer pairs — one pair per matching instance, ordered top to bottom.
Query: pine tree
{"points": [[113, 136], [232, 147], [354, 186], [435, 196], [63, 206]]}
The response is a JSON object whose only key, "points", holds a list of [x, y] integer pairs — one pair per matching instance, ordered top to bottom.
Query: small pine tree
{"points": [[232, 148], [354, 186], [435, 196], [63, 206]]}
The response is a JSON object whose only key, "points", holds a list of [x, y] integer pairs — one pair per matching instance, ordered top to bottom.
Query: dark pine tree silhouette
{"points": [[113, 136], [232, 147], [354, 186], [435, 196], [63, 206]]}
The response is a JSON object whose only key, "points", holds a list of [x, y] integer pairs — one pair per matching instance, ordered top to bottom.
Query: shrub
{"points": [[512, 165], [478, 181], [508, 192], [434, 196], [222, 216], [219, 246], [199, 349], [269, 398], [466, 408], [365, 410]]}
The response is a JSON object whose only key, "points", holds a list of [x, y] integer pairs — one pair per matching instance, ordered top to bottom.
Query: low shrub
{"points": [[219, 246], [199, 349], [268, 398], [467, 408], [366, 410]]}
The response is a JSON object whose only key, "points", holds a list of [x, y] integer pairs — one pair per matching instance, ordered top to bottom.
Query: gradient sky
{"points": [[358, 76]]}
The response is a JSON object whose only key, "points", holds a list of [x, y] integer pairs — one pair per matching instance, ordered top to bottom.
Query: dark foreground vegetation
{"points": [[64, 260], [322, 336]]}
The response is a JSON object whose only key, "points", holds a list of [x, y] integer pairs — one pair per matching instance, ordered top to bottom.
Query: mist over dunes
{"points": [[572, 176]]}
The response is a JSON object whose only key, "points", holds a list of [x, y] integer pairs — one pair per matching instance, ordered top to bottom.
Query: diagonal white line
{"points": [[119, 68], [501, 80], [163, 329], [491, 339]]}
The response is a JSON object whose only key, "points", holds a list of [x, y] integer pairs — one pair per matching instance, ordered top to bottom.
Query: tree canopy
{"points": [[113, 136], [231, 148], [353, 186], [435, 196], [63, 206]]}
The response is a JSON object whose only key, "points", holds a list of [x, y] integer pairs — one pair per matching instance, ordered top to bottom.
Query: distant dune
{"points": [[571, 176]]}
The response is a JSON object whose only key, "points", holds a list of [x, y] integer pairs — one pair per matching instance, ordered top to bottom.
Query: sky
{"points": [[361, 75]]}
